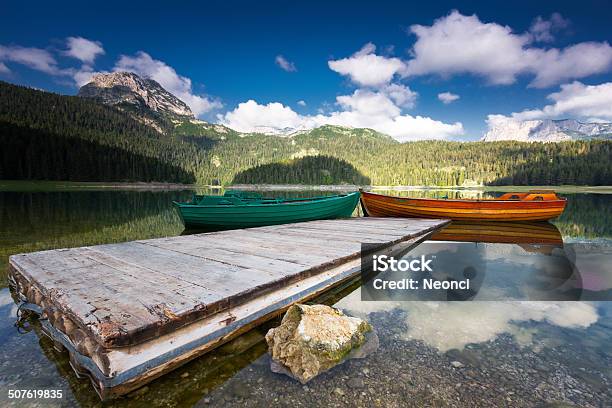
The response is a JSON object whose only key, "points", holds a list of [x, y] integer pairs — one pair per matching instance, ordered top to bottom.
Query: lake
{"points": [[527, 353]]}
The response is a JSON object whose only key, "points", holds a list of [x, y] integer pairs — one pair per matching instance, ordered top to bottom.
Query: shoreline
{"points": [[43, 185], [350, 187]]}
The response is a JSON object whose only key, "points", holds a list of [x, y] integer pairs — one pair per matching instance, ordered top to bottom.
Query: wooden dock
{"points": [[128, 313]]}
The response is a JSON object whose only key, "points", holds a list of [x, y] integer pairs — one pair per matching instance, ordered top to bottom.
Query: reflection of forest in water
{"points": [[587, 216], [43, 220], [31, 221]]}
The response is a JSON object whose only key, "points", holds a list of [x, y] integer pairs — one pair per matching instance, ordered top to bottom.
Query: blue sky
{"points": [[226, 59]]}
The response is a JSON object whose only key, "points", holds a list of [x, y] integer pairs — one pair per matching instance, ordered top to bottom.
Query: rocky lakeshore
{"points": [[560, 367], [409, 373]]}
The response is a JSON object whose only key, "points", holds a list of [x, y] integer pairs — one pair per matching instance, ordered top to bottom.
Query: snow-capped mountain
{"points": [[546, 130], [277, 131]]}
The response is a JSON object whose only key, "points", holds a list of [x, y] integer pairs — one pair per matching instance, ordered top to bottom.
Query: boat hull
{"points": [[378, 205], [245, 216]]}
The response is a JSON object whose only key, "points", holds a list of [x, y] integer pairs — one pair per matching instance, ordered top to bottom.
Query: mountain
{"points": [[143, 98], [546, 130], [46, 136]]}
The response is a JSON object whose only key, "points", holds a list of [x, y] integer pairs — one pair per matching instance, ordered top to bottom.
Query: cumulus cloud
{"points": [[542, 30], [459, 44], [83, 49], [34, 58], [576, 61], [285, 64], [144, 65], [365, 68], [402, 95], [447, 97], [575, 99], [301, 103], [378, 104], [362, 109], [377, 111], [250, 116]]}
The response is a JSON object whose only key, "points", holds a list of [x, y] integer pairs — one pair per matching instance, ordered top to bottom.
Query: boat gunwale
{"points": [[464, 200], [294, 202]]}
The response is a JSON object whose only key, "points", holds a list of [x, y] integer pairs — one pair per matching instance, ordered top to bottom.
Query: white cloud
{"points": [[542, 30], [459, 44], [463, 44], [368, 48], [83, 49], [34, 58], [42, 60], [576, 61], [285, 64], [143, 65], [366, 68], [84, 74], [402, 95], [447, 97], [575, 99], [301, 103], [368, 103], [377, 105], [362, 109], [250, 116], [449, 325]]}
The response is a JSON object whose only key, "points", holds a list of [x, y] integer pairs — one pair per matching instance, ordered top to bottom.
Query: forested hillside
{"points": [[45, 136], [48, 136], [436, 163], [311, 170]]}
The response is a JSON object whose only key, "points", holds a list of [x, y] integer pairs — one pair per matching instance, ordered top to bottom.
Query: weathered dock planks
{"points": [[129, 312]]}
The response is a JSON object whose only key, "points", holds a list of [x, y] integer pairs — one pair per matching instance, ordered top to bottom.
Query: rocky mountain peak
{"points": [[131, 92], [546, 130]]}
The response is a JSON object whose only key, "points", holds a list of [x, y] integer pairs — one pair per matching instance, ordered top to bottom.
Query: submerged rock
{"points": [[313, 339], [457, 364]]}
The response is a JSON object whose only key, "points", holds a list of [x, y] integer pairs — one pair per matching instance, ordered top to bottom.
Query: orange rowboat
{"points": [[535, 205]]}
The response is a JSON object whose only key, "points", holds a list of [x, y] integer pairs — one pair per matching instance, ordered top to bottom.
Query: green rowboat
{"points": [[243, 210]]}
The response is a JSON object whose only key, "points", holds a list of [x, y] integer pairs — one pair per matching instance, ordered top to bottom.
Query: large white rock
{"points": [[313, 339]]}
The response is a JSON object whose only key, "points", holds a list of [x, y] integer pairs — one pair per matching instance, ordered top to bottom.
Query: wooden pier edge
{"points": [[128, 368]]}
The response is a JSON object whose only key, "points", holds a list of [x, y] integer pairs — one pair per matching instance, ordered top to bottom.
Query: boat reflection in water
{"points": [[540, 237], [502, 261], [524, 261]]}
